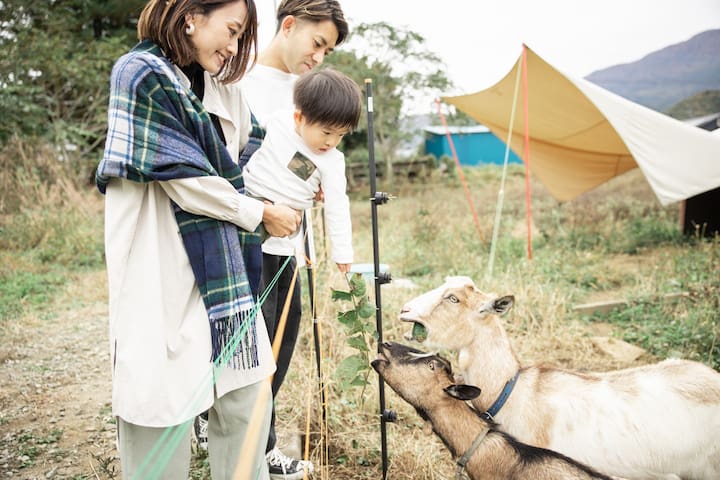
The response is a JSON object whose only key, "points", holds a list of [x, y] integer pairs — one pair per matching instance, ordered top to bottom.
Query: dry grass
{"points": [[616, 242]]}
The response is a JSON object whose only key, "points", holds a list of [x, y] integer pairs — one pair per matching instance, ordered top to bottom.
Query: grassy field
{"points": [[616, 243]]}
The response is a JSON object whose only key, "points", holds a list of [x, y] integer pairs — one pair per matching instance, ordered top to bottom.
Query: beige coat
{"points": [[159, 330]]}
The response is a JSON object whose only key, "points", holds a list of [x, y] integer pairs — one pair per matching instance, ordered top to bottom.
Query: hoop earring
{"points": [[190, 29]]}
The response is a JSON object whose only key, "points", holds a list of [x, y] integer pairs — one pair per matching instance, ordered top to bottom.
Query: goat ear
{"points": [[502, 305], [462, 391]]}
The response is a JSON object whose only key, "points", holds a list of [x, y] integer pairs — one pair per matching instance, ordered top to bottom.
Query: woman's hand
{"points": [[280, 220]]}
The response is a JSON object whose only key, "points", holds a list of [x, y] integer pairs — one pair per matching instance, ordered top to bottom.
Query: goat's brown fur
{"points": [[426, 382]]}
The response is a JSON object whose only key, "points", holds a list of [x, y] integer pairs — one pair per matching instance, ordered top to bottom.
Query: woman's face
{"points": [[216, 35], [307, 43]]}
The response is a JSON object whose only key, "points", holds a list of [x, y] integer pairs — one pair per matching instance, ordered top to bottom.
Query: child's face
{"points": [[318, 138]]}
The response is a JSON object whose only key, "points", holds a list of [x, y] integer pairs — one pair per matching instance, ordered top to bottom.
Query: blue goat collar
{"points": [[490, 413]]}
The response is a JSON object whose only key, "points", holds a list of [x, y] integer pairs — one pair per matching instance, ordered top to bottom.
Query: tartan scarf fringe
{"points": [[233, 344]]}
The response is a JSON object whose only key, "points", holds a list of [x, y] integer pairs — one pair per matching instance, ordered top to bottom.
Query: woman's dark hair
{"points": [[315, 11], [163, 22], [328, 97]]}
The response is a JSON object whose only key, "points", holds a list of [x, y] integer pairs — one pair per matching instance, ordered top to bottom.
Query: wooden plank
{"points": [[608, 305], [599, 307]]}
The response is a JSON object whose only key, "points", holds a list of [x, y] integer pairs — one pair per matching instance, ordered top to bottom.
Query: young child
{"points": [[298, 155]]}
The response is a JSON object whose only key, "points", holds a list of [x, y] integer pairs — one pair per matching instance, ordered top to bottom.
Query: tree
{"points": [[55, 67], [402, 70]]}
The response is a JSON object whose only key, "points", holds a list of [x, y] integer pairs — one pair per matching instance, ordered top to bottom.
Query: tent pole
{"points": [[526, 151], [501, 191]]}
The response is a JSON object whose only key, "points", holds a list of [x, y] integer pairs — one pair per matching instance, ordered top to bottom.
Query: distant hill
{"points": [[665, 77], [700, 104]]}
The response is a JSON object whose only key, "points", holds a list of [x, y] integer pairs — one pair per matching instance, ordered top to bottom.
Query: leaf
{"points": [[358, 286], [341, 295], [366, 309], [348, 318], [357, 326], [419, 332], [358, 342], [349, 369], [359, 381]]}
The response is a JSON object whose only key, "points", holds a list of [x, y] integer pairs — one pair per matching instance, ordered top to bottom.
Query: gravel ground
{"points": [[55, 420]]}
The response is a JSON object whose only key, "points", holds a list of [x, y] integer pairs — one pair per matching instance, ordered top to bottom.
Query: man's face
{"points": [[307, 43]]}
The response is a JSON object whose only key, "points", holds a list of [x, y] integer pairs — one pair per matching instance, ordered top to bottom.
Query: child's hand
{"points": [[344, 267]]}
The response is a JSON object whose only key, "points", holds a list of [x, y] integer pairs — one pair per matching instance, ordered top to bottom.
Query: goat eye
{"points": [[452, 298], [431, 365]]}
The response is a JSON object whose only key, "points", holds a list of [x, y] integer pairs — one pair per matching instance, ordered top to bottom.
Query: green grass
{"points": [[50, 227], [66, 236], [22, 291], [687, 326], [666, 331], [29, 445]]}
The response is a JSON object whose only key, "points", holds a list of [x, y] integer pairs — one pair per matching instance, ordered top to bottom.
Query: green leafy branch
{"points": [[354, 370]]}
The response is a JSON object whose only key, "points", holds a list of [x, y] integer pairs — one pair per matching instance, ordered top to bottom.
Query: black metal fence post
{"points": [[377, 198]]}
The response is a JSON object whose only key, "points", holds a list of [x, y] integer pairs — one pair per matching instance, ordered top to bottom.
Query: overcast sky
{"points": [[479, 41]]}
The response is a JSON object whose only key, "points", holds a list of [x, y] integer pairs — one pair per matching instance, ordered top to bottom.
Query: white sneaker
{"points": [[199, 432], [283, 467]]}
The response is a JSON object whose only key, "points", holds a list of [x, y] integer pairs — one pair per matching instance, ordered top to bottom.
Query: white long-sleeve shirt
{"points": [[285, 171]]}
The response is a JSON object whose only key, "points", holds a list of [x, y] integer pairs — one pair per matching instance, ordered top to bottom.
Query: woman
{"points": [[179, 238]]}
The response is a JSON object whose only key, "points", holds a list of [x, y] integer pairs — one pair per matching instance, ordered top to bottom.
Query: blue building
{"points": [[475, 145]]}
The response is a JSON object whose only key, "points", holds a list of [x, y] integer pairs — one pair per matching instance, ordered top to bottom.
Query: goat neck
{"points": [[489, 360], [446, 419]]}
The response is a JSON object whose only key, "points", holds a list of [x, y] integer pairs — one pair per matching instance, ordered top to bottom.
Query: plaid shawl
{"points": [[159, 130], [257, 134]]}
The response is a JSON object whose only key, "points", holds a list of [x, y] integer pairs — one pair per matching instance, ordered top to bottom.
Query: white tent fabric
{"points": [[582, 135]]}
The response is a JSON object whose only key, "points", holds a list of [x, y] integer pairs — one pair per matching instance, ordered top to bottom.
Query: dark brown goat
{"points": [[426, 382]]}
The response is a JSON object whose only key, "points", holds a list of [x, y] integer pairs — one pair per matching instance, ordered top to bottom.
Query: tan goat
{"points": [[425, 381], [659, 421]]}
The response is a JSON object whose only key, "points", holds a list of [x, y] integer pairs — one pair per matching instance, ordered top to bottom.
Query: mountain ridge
{"points": [[667, 76]]}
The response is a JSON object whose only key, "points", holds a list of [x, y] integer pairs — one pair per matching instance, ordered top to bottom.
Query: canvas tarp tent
{"points": [[582, 135]]}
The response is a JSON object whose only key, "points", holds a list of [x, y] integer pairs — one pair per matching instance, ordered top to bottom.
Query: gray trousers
{"points": [[228, 422]]}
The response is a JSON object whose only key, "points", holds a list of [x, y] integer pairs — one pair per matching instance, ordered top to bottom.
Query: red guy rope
{"points": [[459, 169]]}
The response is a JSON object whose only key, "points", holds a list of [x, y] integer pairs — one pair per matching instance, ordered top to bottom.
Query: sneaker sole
{"points": [[289, 476]]}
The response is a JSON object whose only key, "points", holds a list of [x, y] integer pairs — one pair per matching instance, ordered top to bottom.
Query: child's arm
{"points": [[337, 213]]}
